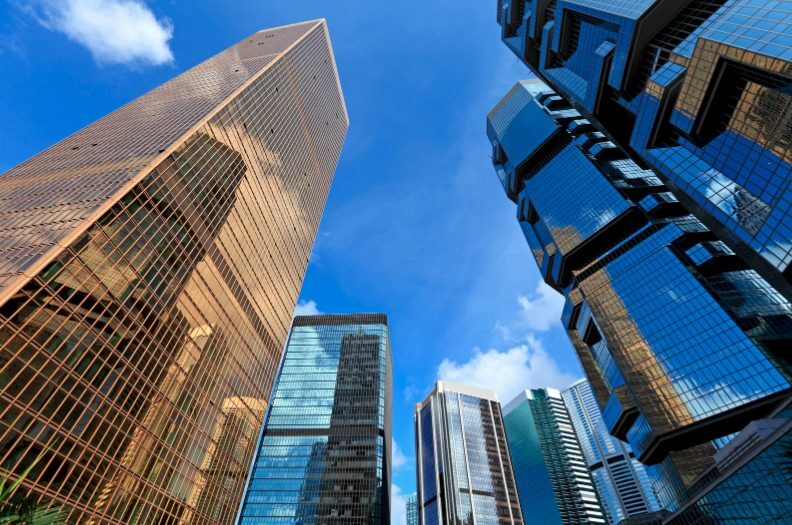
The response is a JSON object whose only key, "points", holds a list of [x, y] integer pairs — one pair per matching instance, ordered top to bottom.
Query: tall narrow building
{"points": [[149, 267], [682, 339], [324, 453], [464, 471], [621, 480], [555, 486], [411, 504]]}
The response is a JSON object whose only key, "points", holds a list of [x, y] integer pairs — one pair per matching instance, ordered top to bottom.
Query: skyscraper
{"points": [[698, 89], [149, 267], [681, 338], [324, 453], [464, 472], [621, 480], [554, 484], [411, 502]]}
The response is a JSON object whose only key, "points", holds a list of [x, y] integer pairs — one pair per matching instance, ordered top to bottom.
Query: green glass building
{"points": [[553, 481]]}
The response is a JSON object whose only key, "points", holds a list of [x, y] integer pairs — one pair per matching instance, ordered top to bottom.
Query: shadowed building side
{"points": [[697, 89]]}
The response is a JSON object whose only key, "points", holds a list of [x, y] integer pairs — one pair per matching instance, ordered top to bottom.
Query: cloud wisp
{"points": [[115, 31], [307, 308], [538, 312], [507, 372], [398, 458], [398, 506]]}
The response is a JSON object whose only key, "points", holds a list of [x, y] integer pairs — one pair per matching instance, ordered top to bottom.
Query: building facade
{"points": [[698, 89], [149, 267], [680, 337], [324, 456], [464, 471], [621, 480], [751, 481], [554, 483], [411, 503]]}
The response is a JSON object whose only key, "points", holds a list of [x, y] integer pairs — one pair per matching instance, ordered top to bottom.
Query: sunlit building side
{"points": [[149, 267], [464, 470], [622, 482]]}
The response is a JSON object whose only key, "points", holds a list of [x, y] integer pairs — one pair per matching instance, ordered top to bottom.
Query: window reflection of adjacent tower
{"points": [[197, 196]]}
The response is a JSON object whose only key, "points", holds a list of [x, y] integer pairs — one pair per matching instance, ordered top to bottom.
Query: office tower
{"points": [[697, 89], [149, 267], [683, 341], [324, 453], [464, 472], [621, 481], [554, 484], [411, 502]]}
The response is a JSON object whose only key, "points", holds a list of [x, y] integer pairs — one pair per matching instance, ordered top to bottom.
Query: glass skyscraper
{"points": [[698, 89], [149, 267], [680, 337], [324, 453], [464, 471], [621, 480], [554, 482], [411, 502]]}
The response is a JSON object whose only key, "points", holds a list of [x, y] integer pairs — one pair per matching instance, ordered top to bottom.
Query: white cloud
{"points": [[114, 31], [307, 308], [542, 309], [538, 312], [509, 372], [398, 459], [398, 506]]}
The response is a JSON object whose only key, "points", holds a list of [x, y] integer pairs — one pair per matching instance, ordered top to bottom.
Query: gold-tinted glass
{"points": [[135, 364]]}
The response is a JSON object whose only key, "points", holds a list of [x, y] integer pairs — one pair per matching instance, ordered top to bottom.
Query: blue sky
{"points": [[416, 226]]}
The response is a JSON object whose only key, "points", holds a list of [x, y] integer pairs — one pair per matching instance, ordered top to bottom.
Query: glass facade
{"points": [[699, 89], [149, 267], [682, 339], [324, 454], [464, 471], [621, 480], [751, 481], [554, 482], [411, 502]]}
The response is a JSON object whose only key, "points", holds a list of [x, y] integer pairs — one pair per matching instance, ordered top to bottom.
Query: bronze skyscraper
{"points": [[149, 267]]}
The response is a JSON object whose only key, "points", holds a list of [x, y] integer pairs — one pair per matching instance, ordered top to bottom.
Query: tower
{"points": [[149, 267], [324, 453], [464, 469]]}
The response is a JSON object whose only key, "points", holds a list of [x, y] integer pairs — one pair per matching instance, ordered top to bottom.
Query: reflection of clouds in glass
{"points": [[720, 191], [734, 200], [600, 217], [778, 253], [707, 399]]}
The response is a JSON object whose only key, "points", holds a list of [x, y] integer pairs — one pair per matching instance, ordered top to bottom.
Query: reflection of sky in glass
{"points": [[573, 198], [710, 361], [291, 470]]}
